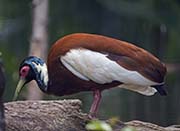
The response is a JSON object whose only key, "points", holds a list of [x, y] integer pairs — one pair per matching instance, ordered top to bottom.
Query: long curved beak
{"points": [[20, 84]]}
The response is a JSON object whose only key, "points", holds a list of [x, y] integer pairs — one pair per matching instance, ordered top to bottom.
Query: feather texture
{"points": [[125, 54], [98, 62], [97, 67], [144, 90]]}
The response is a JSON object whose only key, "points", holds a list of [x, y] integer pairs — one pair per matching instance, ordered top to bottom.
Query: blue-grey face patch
{"points": [[34, 59], [38, 67]]}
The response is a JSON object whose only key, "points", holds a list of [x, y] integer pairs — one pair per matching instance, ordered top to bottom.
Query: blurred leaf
{"points": [[113, 121], [96, 125], [128, 128]]}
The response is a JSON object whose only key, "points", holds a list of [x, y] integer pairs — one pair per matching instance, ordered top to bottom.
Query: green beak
{"points": [[18, 88]]}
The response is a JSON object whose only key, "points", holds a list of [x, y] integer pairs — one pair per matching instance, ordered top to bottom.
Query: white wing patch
{"points": [[91, 65], [42, 69], [75, 72], [145, 90]]}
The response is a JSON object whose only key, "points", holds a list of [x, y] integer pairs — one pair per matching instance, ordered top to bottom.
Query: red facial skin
{"points": [[24, 71]]}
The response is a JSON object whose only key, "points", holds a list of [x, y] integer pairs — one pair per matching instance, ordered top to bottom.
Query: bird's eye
{"points": [[24, 71]]}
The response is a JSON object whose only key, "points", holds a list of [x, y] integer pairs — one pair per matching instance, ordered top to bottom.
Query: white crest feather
{"points": [[42, 69]]}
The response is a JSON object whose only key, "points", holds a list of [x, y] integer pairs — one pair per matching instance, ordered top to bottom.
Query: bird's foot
{"points": [[92, 116]]}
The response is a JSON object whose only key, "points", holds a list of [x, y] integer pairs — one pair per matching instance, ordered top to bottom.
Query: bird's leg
{"points": [[95, 104]]}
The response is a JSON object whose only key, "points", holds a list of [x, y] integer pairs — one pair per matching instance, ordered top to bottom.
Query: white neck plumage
{"points": [[42, 76]]}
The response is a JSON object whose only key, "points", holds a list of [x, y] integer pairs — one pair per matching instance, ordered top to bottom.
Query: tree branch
{"points": [[44, 115], [63, 115]]}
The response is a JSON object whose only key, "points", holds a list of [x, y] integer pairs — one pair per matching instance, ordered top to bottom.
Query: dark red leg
{"points": [[95, 104]]}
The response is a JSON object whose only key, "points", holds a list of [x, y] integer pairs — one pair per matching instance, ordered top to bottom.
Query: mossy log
{"points": [[59, 115]]}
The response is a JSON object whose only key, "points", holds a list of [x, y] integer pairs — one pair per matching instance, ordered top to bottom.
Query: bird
{"points": [[90, 62]]}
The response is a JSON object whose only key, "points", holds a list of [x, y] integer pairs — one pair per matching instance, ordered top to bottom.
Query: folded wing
{"points": [[100, 68]]}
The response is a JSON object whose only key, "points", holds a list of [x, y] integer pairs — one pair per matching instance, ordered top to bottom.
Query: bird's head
{"points": [[32, 68]]}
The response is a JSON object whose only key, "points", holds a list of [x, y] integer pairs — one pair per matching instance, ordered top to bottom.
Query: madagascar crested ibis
{"points": [[89, 62]]}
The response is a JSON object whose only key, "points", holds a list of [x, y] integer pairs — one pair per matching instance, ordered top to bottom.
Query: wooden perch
{"points": [[61, 115], [44, 116], [145, 126]]}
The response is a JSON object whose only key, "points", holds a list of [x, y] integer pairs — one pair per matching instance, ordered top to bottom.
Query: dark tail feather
{"points": [[161, 89]]}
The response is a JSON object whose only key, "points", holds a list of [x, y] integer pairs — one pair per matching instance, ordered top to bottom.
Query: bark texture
{"points": [[61, 115], [44, 116]]}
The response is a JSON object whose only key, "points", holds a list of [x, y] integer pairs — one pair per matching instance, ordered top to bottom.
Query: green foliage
{"points": [[113, 121], [97, 125], [128, 128]]}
